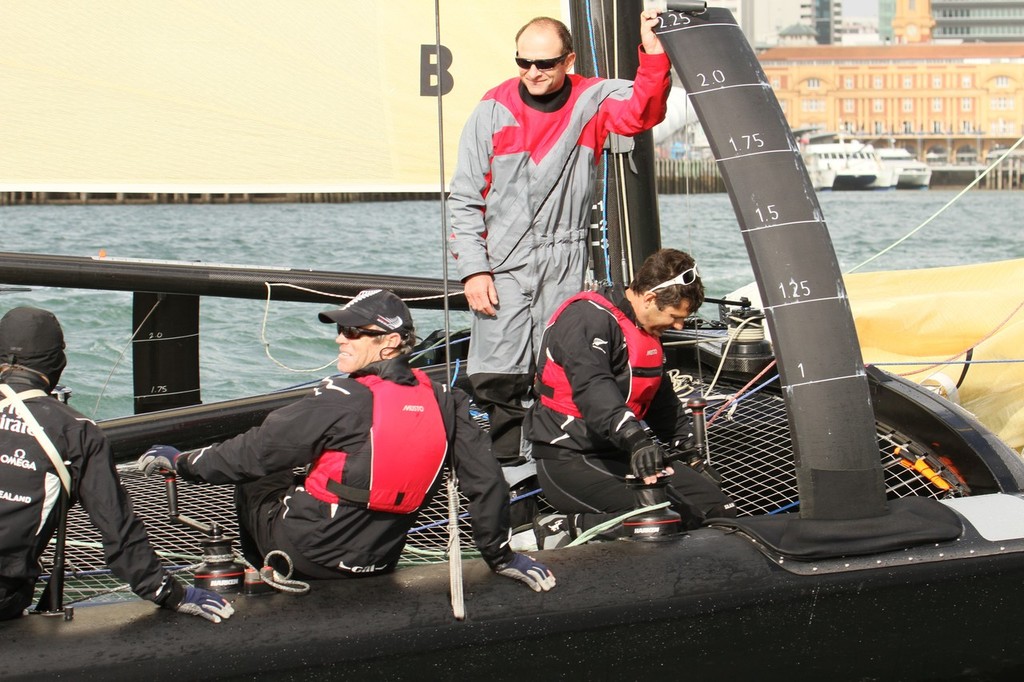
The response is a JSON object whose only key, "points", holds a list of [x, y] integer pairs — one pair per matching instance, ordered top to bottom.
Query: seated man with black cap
{"points": [[375, 442], [53, 456]]}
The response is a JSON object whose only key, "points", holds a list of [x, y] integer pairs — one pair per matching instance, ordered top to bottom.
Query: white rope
{"points": [[940, 211], [266, 315], [728, 345], [455, 550]]}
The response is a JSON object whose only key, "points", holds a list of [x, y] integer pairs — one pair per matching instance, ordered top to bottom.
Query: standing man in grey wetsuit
{"points": [[521, 199]]}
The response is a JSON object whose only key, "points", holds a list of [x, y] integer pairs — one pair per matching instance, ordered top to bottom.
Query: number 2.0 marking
{"points": [[717, 78]]}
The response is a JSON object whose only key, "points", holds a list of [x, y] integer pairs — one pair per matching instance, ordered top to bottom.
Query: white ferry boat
{"points": [[850, 165], [912, 174]]}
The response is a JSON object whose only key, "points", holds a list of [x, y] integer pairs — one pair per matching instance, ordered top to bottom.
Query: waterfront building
{"points": [[824, 16], [978, 20], [968, 21], [912, 22], [951, 102]]}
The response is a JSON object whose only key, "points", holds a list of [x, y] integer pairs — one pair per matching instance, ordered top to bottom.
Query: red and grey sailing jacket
{"points": [[526, 176], [645, 365], [408, 447]]}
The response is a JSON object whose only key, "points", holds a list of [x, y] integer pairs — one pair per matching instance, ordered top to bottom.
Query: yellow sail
{"points": [[242, 95], [932, 317]]}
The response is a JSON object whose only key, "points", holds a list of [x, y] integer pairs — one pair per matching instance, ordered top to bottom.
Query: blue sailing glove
{"points": [[158, 458], [533, 573], [204, 603]]}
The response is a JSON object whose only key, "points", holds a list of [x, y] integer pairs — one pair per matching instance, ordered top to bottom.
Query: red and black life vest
{"points": [[645, 364], [407, 450]]}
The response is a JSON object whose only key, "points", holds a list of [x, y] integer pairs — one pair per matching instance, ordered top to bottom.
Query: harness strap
{"points": [[18, 401], [348, 493]]}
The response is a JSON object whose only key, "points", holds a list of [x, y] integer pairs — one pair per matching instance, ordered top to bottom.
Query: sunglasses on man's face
{"points": [[541, 64], [353, 333]]}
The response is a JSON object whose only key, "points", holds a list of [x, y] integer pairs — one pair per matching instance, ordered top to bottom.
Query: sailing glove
{"points": [[684, 443], [158, 458], [647, 459], [533, 573], [206, 604]]}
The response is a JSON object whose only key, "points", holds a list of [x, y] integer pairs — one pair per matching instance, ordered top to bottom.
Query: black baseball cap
{"points": [[372, 306]]}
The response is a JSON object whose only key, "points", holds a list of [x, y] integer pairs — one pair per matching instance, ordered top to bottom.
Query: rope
{"points": [[941, 210], [603, 223], [266, 316], [263, 327], [988, 336], [725, 352], [950, 362], [103, 388], [735, 396], [607, 525], [454, 550], [455, 557], [282, 583]]}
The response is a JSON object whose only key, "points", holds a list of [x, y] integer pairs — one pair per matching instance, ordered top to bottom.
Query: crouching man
{"points": [[599, 374]]}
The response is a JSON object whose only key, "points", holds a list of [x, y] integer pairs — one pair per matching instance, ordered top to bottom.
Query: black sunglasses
{"points": [[541, 64], [352, 333]]}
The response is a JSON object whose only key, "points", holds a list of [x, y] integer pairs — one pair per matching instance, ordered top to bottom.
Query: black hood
{"points": [[32, 338]]}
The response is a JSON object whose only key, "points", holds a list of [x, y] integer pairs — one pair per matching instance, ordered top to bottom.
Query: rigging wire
{"points": [[605, 161], [941, 210], [1005, 321], [952, 358], [103, 388], [454, 552]]}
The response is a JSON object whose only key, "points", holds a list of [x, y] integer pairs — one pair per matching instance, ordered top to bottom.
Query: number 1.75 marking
{"points": [[746, 142]]}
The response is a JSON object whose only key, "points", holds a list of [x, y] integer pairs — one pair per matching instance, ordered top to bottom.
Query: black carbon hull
{"points": [[708, 606]]}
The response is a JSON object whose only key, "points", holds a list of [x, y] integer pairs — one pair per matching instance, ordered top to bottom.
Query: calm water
{"points": [[406, 238]]}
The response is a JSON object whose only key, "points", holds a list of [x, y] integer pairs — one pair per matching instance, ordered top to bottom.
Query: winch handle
{"points": [[171, 485]]}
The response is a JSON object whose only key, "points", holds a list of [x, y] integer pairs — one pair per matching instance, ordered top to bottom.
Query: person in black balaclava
{"points": [[32, 340], [47, 447]]}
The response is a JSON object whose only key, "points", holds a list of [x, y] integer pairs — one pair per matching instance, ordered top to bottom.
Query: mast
{"points": [[606, 37], [822, 373]]}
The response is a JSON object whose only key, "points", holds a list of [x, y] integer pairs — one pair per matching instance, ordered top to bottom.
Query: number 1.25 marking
{"points": [[795, 289]]}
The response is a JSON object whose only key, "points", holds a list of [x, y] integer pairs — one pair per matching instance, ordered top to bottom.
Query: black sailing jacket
{"points": [[337, 415], [29, 487]]}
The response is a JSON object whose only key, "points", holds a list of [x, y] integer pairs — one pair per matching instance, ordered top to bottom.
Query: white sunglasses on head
{"points": [[686, 277]]}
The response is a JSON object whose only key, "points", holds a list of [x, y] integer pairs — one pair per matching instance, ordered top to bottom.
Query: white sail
{"points": [[242, 95]]}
